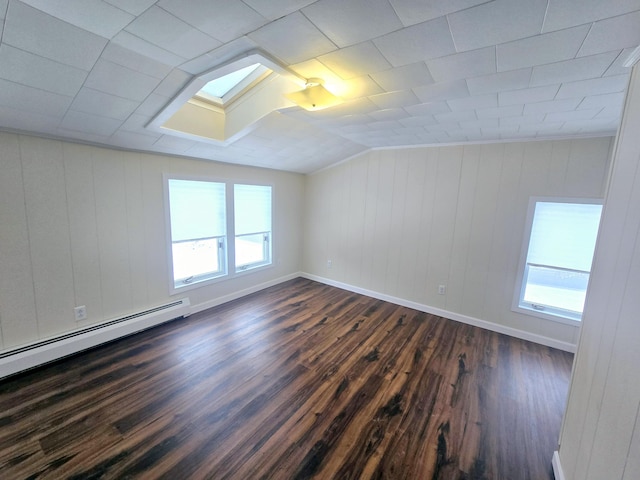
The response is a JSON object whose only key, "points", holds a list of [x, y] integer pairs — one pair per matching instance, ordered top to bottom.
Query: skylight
{"points": [[219, 87]]}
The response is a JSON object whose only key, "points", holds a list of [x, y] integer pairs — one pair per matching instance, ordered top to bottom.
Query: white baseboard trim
{"points": [[241, 293], [494, 327], [557, 467]]}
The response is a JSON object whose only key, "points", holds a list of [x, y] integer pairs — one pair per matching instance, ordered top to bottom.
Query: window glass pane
{"points": [[252, 208], [197, 209], [564, 235], [250, 249], [195, 258], [561, 289]]}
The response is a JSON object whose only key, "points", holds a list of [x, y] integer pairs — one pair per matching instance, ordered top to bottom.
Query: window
{"points": [[252, 211], [198, 230], [559, 252]]}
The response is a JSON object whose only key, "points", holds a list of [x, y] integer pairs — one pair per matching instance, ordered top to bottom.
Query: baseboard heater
{"points": [[44, 351]]}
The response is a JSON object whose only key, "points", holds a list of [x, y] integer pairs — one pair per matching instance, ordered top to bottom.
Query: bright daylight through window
{"points": [[199, 212], [556, 271]]}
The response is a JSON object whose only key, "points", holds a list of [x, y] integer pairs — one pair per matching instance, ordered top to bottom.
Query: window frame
{"points": [[230, 269], [554, 314]]}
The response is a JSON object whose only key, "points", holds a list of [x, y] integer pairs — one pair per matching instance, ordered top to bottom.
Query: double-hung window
{"points": [[252, 221], [198, 230], [559, 252]]}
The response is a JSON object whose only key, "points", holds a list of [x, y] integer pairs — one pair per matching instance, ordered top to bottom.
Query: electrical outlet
{"points": [[442, 289], [80, 313]]}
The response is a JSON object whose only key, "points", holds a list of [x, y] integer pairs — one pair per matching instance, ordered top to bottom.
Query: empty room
{"points": [[298, 239]]}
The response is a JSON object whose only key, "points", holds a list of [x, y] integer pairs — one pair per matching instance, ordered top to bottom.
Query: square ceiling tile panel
{"points": [[135, 7], [274, 9], [416, 11], [567, 13], [94, 16], [220, 19], [496, 22], [348, 23], [160, 28], [34, 31], [627, 34], [293, 39], [424, 41], [541, 49], [150, 50], [220, 55], [128, 58], [355, 61], [463, 65], [26, 68], [570, 70], [403, 78], [513, 80], [120, 81], [594, 86], [442, 91], [527, 95], [402, 98], [33, 100], [605, 100], [473, 102], [103, 104], [550, 107], [430, 108], [498, 112], [87, 123]]}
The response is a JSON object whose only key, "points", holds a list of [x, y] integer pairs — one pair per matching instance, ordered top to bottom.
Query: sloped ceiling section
{"points": [[411, 73]]}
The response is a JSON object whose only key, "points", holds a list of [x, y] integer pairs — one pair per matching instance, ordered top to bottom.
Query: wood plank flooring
{"points": [[299, 381]]}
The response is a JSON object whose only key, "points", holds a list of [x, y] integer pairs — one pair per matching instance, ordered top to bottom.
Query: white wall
{"points": [[401, 222], [82, 225], [600, 436]]}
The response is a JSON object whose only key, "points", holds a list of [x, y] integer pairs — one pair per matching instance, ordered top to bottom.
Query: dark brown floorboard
{"points": [[299, 381]]}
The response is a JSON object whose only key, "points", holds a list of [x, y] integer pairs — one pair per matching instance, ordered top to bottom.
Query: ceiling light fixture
{"points": [[314, 96]]}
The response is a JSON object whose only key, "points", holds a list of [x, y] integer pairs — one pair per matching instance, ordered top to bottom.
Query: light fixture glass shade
{"points": [[314, 97]]}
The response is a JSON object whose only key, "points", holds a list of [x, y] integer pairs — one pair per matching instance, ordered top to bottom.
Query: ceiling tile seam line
{"points": [[544, 17], [584, 40], [455, 47]]}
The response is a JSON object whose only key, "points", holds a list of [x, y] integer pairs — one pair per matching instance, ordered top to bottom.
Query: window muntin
{"points": [[252, 222], [198, 230], [560, 250]]}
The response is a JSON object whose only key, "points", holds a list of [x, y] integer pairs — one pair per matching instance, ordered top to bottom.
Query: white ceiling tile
{"points": [[135, 7], [3, 8], [274, 9], [418, 11], [567, 13], [94, 16], [220, 19], [496, 22], [348, 23], [164, 30], [34, 31], [627, 34], [293, 39], [420, 42], [143, 47], [541, 49], [220, 55], [128, 58], [355, 61], [463, 65], [23, 67], [617, 67], [577, 69], [402, 78], [513, 80], [120, 81], [173, 83], [362, 86], [594, 86], [442, 91], [527, 95], [402, 98], [33, 100], [606, 100], [473, 102], [103, 104], [152, 105], [550, 107], [430, 108], [611, 111], [498, 112], [389, 114], [574, 115], [457, 116], [19, 119], [534, 119], [421, 121], [87, 123], [137, 123], [484, 124], [131, 140], [168, 143]]}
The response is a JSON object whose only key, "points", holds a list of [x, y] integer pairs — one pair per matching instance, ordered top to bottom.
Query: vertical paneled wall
{"points": [[401, 222], [81, 225], [600, 436]]}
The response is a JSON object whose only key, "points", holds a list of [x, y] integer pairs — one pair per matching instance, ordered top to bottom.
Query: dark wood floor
{"points": [[301, 380]]}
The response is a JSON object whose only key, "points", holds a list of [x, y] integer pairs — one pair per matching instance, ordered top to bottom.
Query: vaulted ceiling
{"points": [[411, 72]]}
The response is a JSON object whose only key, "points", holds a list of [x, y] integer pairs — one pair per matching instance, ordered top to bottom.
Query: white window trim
{"points": [[232, 272], [515, 305]]}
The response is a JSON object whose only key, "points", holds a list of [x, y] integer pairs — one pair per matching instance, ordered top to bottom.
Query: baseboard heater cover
{"points": [[44, 351]]}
